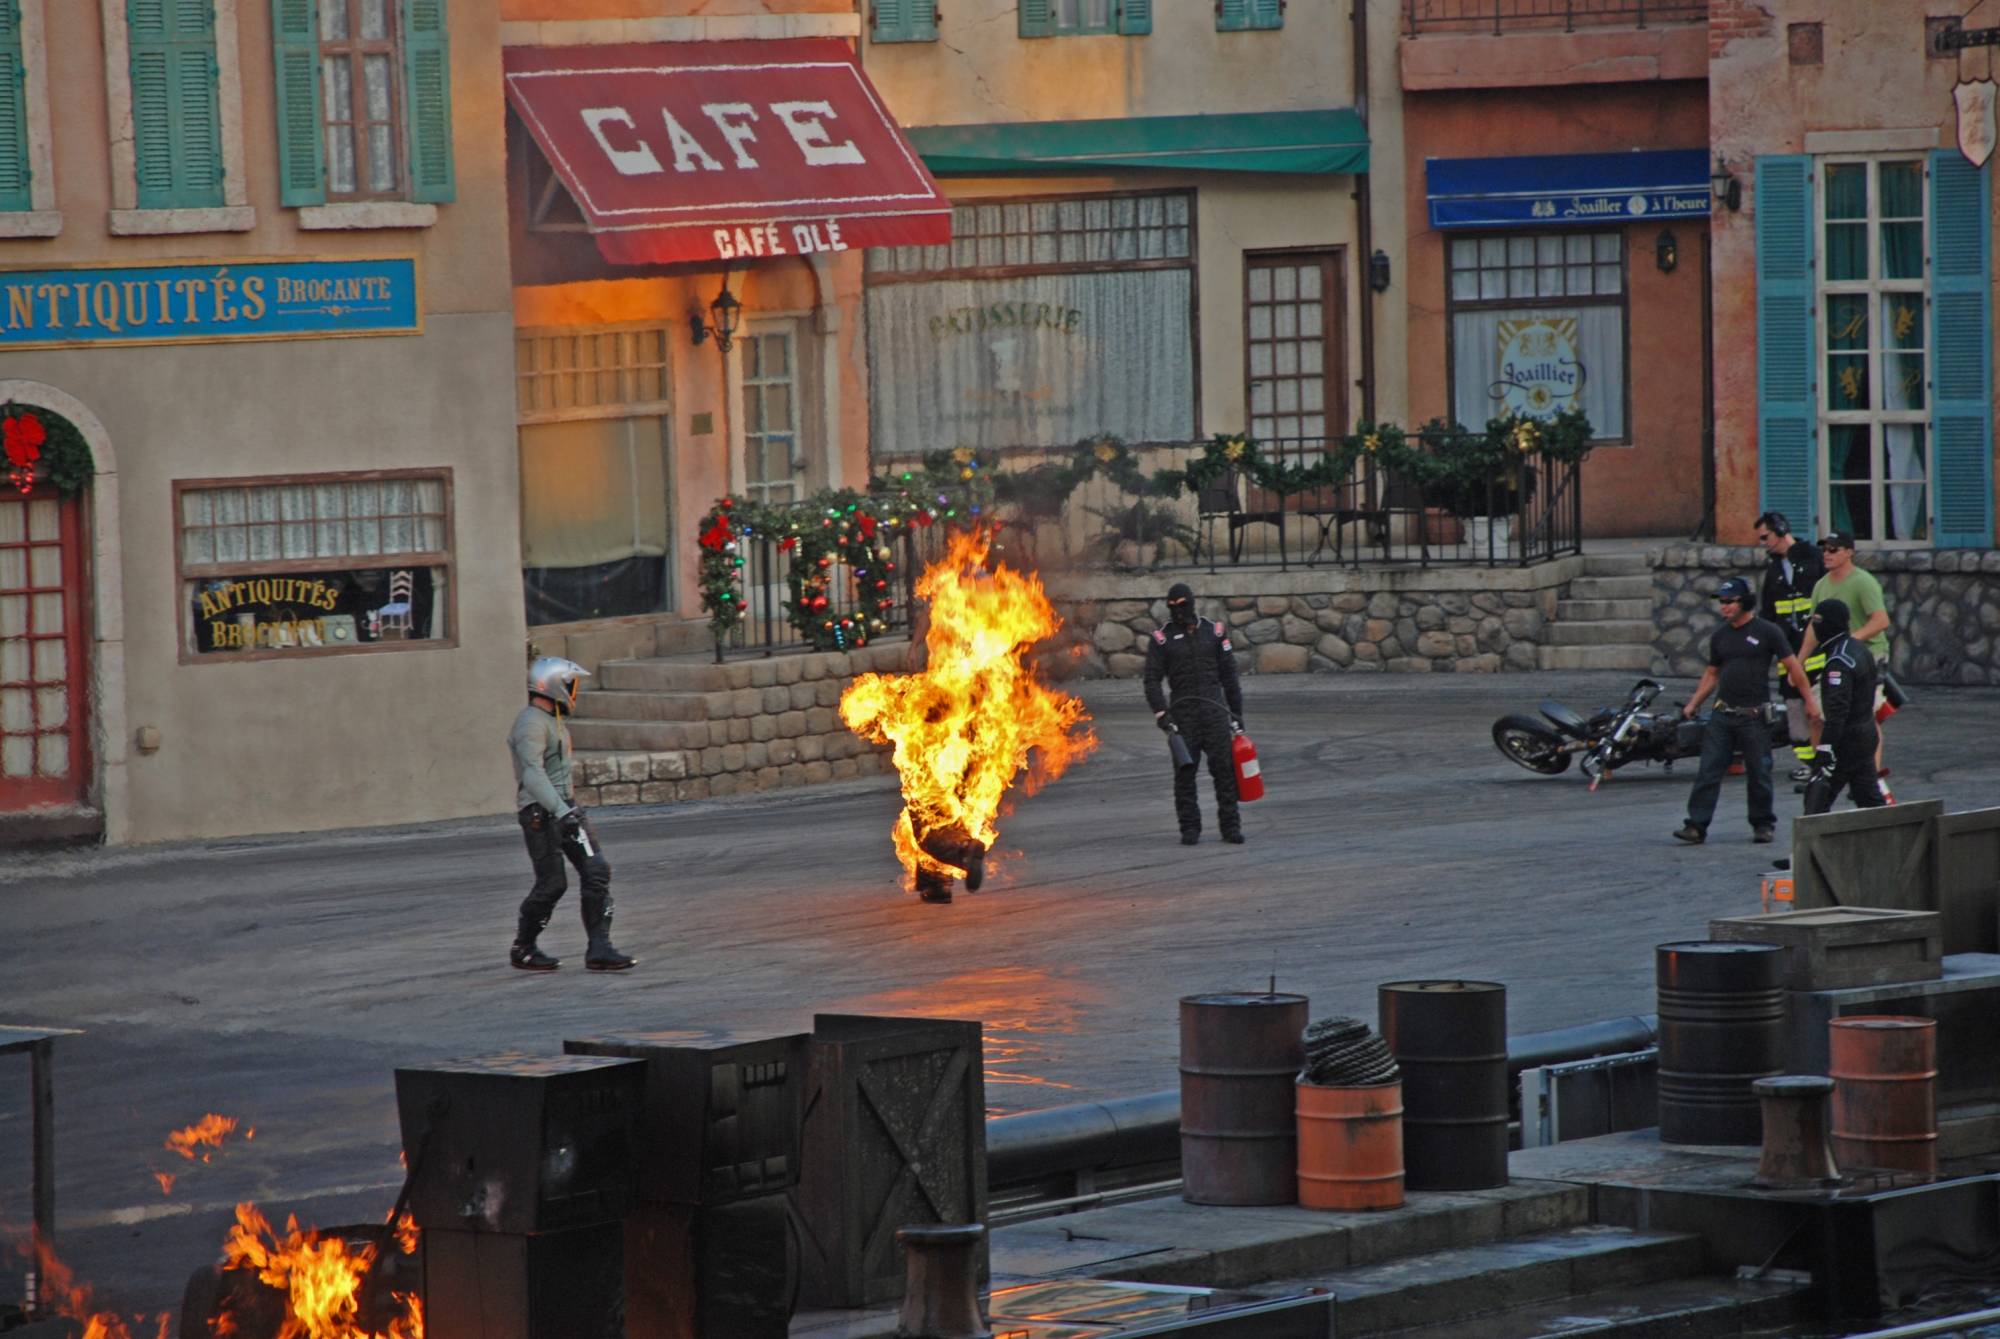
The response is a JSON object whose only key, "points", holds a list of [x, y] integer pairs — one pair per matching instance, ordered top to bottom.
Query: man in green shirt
{"points": [[1869, 614]]}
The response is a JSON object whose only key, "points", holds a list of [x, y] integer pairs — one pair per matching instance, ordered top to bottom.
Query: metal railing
{"points": [[1502, 16], [1529, 511]]}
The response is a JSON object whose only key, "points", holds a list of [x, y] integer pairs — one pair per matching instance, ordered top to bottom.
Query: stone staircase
{"points": [[1606, 619], [663, 729]]}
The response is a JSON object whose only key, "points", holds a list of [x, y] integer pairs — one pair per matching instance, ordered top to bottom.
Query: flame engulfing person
{"points": [[965, 725]]}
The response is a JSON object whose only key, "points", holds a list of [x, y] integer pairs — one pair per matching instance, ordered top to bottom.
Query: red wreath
{"points": [[22, 436], [717, 535]]}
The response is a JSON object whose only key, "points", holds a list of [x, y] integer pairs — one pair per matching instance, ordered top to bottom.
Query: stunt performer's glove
{"points": [[1161, 719], [571, 825]]}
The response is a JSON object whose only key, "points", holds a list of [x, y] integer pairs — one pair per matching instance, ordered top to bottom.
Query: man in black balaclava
{"points": [[1195, 659], [1845, 736]]}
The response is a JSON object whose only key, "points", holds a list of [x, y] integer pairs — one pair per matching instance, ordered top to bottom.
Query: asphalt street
{"points": [[280, 981]]}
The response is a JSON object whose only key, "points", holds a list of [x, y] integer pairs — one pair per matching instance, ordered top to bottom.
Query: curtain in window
{"points": [[1033, 361], [1540, 361], [594, 518]]}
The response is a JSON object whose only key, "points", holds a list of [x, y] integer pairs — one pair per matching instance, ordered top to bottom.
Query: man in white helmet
{"points": [[552, 824]]}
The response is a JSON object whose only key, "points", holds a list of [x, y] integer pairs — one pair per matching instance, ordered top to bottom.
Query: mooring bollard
{"points": [[1797, 1153], [941, 1288]]}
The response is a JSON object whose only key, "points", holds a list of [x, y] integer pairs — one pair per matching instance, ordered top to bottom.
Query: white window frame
{"points": [[235, 214], [41, 218], [1874, 289]]}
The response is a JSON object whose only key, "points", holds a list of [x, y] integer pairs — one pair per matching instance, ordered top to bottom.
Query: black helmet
{"points": [[1737, 589], [1180, 602], [1831, 618]]}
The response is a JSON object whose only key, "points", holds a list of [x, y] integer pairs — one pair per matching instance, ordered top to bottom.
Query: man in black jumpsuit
{"points": [[1791, 566], [1195, 659], [1847, 697]]}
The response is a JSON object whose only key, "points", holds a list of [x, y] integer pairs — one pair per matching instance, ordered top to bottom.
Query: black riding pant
{"points": [[1206, 729], [1854, 769], [546, 851]]}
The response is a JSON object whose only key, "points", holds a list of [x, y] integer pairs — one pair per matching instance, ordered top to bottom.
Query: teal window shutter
{"points": [[1267, 13], [1232, 16], [1135, 17], [1038, 18], [902, 21], [427, 55], [176, 113], [301, 141], [14, 177], [1961, 353], [1787, 414]]}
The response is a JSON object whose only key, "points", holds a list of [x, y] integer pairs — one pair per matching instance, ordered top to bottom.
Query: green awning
{"points": [[1333, 140]]}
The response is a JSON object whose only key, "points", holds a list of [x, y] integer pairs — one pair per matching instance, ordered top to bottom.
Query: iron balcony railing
{"points": [[1503, 16], [1528, 512]]}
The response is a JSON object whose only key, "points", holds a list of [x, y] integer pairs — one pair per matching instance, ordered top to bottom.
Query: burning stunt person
{"points": [[1195, 659], [1845, 737], [552, 824]]}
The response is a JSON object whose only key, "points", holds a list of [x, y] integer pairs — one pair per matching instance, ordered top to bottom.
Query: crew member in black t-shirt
{"points": [[1739, 672]]}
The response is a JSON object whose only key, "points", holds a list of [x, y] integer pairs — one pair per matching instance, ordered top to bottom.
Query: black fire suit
{"points": [[1786, 599], [1198, 665], [1847, 696]]}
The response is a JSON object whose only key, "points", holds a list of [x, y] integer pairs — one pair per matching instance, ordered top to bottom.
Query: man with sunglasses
{"points": [[1791, 568], [1740, 655]]}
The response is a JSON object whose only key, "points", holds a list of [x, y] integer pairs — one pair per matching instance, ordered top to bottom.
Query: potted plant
{"points": [[1134, 534]]}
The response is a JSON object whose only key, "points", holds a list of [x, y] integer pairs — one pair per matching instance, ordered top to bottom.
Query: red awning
{"points": [[725, 150]]}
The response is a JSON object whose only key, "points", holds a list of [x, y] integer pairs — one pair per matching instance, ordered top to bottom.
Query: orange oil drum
{"points": [[1884, 1069], [1350, 1146]]}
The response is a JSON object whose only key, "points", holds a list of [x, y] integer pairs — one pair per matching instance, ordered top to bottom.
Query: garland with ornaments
{"points": [[39, 445], [842, 530]]}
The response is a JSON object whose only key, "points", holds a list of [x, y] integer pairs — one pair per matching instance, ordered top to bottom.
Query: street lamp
{"points": [[1724, 187], [1666, 251], [724, 314]]}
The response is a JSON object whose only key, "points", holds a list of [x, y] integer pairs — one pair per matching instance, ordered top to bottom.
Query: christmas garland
{"points": [[40, 444], [858, 530]]}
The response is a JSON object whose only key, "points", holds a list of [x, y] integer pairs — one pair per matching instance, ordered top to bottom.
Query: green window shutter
{"points": [[1267, 13], [1232, 16], [1135, 17], [1038, 18], [903, 21], [427, 54], [176, 115], [301, 140], [15, 190], [1961, 353], [1787, 413]]}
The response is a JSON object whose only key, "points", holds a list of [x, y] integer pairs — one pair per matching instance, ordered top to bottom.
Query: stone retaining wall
{"points": [[1944, 608], [1398, 621]]}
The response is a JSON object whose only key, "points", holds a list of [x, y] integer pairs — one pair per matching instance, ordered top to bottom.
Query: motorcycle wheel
{"points": [[1524, 740]]}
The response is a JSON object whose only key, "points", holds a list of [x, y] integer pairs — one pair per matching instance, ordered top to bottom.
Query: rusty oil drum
{"points": [[1722, 1028], [1450, 1041], [1240, 1059], [1884, 1069]]}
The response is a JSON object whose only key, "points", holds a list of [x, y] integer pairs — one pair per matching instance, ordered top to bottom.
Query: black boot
{"points": [[975, 868], [933, 887], [524, 954], [602, 955]]}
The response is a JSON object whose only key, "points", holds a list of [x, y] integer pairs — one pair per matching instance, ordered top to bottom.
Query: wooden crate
{"points": [[1832, 948]]}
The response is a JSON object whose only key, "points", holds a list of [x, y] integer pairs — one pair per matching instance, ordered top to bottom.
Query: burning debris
{"points": [[965, 725], [201, 1139]]}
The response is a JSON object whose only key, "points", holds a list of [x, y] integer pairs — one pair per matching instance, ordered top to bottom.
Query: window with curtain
{"points": [[1043, 321], [1538, 327], [1874, 370], [596, 472], [313, 563]]}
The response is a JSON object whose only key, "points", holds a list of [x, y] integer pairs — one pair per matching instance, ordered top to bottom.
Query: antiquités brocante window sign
{"points": [[208, 301]]}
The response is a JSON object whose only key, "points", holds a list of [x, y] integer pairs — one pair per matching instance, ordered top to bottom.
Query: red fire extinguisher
{"points": [[1249, 777]]}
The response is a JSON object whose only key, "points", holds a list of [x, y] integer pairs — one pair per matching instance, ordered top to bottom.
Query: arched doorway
{"points": [[44, 651]]}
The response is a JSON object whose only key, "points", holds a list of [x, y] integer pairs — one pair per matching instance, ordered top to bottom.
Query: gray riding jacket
{"points": [[540, 746]]}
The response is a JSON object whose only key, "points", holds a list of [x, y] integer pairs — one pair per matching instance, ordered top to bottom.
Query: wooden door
{"points": [[1294, 342], [44, 660]]}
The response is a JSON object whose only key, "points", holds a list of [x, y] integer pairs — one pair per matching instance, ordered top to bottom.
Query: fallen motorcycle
{"points": [[1613, 737]]}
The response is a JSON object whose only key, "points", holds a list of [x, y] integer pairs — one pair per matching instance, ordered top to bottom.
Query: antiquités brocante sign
{"points": [[210, 301]]}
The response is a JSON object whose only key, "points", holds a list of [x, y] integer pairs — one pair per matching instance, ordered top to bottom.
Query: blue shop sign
{"points": [[1567, 189], [208, 301]]}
